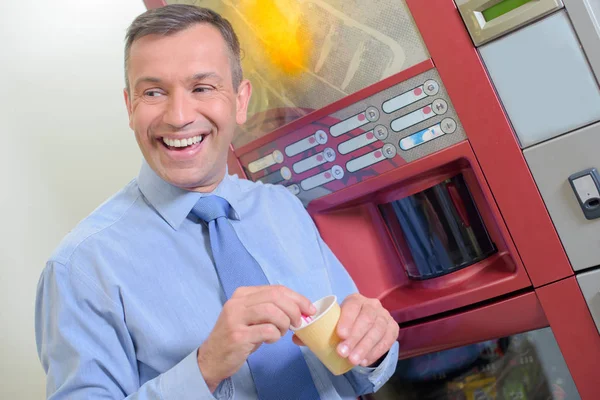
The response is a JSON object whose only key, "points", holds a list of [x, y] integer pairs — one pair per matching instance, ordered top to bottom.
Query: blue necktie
{"points": [[279, 369]]}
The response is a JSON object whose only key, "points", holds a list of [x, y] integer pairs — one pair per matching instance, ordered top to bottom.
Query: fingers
{"points": [[291, 303], [351, 308], [267, 313], [367, 325], [369, 330], [262, 333], [384, 345], [368, 348]]}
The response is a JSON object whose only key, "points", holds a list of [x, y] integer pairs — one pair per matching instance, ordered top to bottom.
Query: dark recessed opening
{"points": [[593, 203]]}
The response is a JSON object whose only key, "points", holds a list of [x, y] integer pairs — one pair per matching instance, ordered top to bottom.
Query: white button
{"points": [[431, 87], [403, 100], [439, 106], [372, 114], [413, 118], [448, 125], [345, 126], [381, 132], [321, 136], [357, 142], [302, 145], [389, 150], [329, 154], [278, 156], [365, 160], [264, 162], [308, 163], [337, 172], [286, 174], [317, 180], [294, 189]]}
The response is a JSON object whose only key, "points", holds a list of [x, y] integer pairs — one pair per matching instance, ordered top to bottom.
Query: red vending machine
{"points": [[410, 129]]}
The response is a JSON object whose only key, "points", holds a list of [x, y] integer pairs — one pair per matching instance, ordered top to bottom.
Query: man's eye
{"points": [[202, 89], [153, 93]]}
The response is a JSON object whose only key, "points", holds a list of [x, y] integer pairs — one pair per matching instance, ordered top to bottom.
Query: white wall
{"points": [[65, 147]]}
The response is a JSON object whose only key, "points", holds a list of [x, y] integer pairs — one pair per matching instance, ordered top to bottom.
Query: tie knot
{"points": [[209, 208]]}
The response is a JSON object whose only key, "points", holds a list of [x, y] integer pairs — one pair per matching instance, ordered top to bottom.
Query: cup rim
{"points": [[332, 298]]}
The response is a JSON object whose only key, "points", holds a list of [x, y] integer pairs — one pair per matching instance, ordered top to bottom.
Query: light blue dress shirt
{"points": [[131, 293]]}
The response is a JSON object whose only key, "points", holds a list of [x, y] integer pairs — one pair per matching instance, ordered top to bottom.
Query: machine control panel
{"points": [[395, 126]]}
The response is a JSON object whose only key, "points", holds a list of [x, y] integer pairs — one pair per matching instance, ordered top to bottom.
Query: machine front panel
{"points": [[543, 79], [400, 124], [552, 163]]}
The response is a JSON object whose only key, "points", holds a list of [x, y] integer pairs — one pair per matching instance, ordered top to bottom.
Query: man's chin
{"points": [[193, 181]]}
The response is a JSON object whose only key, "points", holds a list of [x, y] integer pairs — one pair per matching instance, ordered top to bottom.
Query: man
{"points": [[147, 297]]}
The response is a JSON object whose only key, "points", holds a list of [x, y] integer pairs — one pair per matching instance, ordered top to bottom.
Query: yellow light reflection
{"points": [[277, 23]]}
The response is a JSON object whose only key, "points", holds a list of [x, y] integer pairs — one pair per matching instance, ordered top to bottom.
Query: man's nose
{"points": [[180, 110]]}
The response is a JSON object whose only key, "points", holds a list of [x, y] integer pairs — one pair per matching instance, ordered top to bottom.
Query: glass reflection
{"points": [[527, 366]]}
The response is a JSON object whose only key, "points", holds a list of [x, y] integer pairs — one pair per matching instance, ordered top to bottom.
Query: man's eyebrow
{"points": [[206, 75], [197, 77], [146, 79]]}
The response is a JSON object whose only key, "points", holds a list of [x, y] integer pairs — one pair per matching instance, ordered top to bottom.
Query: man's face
{"points": [[182, 105]]}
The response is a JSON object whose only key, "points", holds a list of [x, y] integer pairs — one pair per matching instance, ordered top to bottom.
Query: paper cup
{"points": [[319, 334]]}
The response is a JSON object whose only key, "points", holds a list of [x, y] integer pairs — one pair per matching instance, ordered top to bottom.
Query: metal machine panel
{"points": [[585, 15], [489, 19], [543, 79], [397, 125], [552, 163], [589, 282]]}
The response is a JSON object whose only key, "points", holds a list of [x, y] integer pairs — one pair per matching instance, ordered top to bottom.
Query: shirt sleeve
{"points": [[86, 350], [364, 380]]}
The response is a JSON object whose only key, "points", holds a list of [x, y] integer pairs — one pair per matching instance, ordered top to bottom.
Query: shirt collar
{"points": [[174, 204]]}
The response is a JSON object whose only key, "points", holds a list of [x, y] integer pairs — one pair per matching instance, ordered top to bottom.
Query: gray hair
{"points": [[175, 18]]}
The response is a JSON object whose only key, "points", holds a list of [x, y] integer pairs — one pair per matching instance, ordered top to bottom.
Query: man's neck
{"points": [[210, 186]]}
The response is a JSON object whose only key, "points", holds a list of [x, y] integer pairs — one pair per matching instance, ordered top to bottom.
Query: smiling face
{"points": [[182, 105]]}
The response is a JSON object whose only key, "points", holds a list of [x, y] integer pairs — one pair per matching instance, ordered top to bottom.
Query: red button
{"points": [[418, 91], [427, 110], [361, 117], [370, 135], [311, 140], [378, 154], [319, 158], [327, 175]]}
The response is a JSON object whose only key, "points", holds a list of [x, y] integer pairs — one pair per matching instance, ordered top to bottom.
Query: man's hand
{"points": [[251, 317], [367, 330]]}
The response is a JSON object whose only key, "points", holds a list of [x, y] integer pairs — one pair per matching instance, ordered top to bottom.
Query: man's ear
{"points": [[242, 99], [128, 105]]}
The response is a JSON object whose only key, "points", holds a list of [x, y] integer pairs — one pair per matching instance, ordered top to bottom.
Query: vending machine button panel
{"points": [[396, 125]]}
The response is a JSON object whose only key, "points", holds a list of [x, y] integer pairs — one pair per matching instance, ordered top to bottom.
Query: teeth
{"points": [[182, 142]]}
